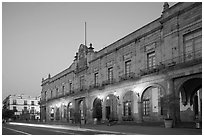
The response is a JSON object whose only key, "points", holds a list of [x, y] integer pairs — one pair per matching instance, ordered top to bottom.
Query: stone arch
{"points": [[180, 82], [162, 89], [190, 93], [151, 99], [128, 100], [111, 102], [81, 109], [97, 109], [70, 112], [52, 113]]}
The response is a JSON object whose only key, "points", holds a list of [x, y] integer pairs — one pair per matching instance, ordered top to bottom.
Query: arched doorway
{"points": [[190, 94], [128, 102], [111, 107], [81, 109], [97, 109], [152, 109], [64, 112], [70, 112], [52, 113], [57, 113]]}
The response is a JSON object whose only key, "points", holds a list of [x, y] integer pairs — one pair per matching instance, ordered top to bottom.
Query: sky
{"points": [[42, 38]]}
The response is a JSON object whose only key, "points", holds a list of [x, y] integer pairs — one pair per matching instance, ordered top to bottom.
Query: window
{"points": [[192, 45], [151, 62], [127, 67], [110, 74], [96, 79], [81, 80], [70, 87], [63, 90], [57, 92], [51, 93], [45, 95], [14, 102], [25, 102], [32, 103], [146, 107], [162, 107], [14, 108], [127, 108], [81, 109], [25, 110], [32, 110], [65, 112], [52, 114], [57, 114]]}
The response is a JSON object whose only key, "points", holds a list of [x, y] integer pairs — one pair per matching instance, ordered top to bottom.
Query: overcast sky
{"points": [[42, 38]]}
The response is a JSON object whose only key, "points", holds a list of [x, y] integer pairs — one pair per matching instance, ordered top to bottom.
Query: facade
{"points": [[129, 79], [25, 107]]}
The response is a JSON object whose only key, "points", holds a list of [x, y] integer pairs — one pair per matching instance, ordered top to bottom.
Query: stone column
{"points": [[170, 86], [103, 111], [119, 111], [173, 111], [140, 115]]}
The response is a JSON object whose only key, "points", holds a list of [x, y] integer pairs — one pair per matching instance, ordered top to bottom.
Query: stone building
{"points": [[129, 79], [25, 107]]}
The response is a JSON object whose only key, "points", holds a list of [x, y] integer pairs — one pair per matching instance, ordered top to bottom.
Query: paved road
{"points": [[9, 129]]}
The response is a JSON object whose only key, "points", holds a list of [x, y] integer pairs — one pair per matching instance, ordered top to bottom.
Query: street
{"points": [[13, 129]]}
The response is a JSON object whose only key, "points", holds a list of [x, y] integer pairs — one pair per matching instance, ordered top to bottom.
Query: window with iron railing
{"points": [[192, 43], [151, 60], [128, 67], [110, 74], [96, 76], [82, 81], [70, 87], [63, 91], [57, 92], [51, 94], [14, 102], [25, 102], [32, 103], [14, 108], [25, 110], [32, 110]]}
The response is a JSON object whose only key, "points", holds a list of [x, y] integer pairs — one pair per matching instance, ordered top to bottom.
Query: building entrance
{"points": [[191, 100], [111, 107], [97, 109]]}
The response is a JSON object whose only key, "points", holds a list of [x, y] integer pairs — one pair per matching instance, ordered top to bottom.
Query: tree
{"points": [[6, 113]]}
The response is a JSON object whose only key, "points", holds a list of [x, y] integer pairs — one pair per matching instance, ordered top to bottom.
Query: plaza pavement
{"points": [[129, 129]]}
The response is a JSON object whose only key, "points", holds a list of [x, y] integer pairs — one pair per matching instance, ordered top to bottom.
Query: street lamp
{"points": [[115, 94], [100, 97]]}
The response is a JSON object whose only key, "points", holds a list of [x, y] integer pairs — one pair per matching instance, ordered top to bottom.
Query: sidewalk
{"points": [[129, 129], [146, 130]]}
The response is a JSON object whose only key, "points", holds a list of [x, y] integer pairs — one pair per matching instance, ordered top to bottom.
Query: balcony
{"points": [[178, 62], [128, 76], [108, 82], [94, 86]]}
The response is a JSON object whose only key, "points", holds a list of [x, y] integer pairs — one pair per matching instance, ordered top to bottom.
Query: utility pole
{"points": [[85, 33]]}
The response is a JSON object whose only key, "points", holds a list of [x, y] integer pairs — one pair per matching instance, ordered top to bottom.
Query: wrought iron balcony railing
{"points": [[184, 60], [127, 76], [108, 82], [94, 86]]}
